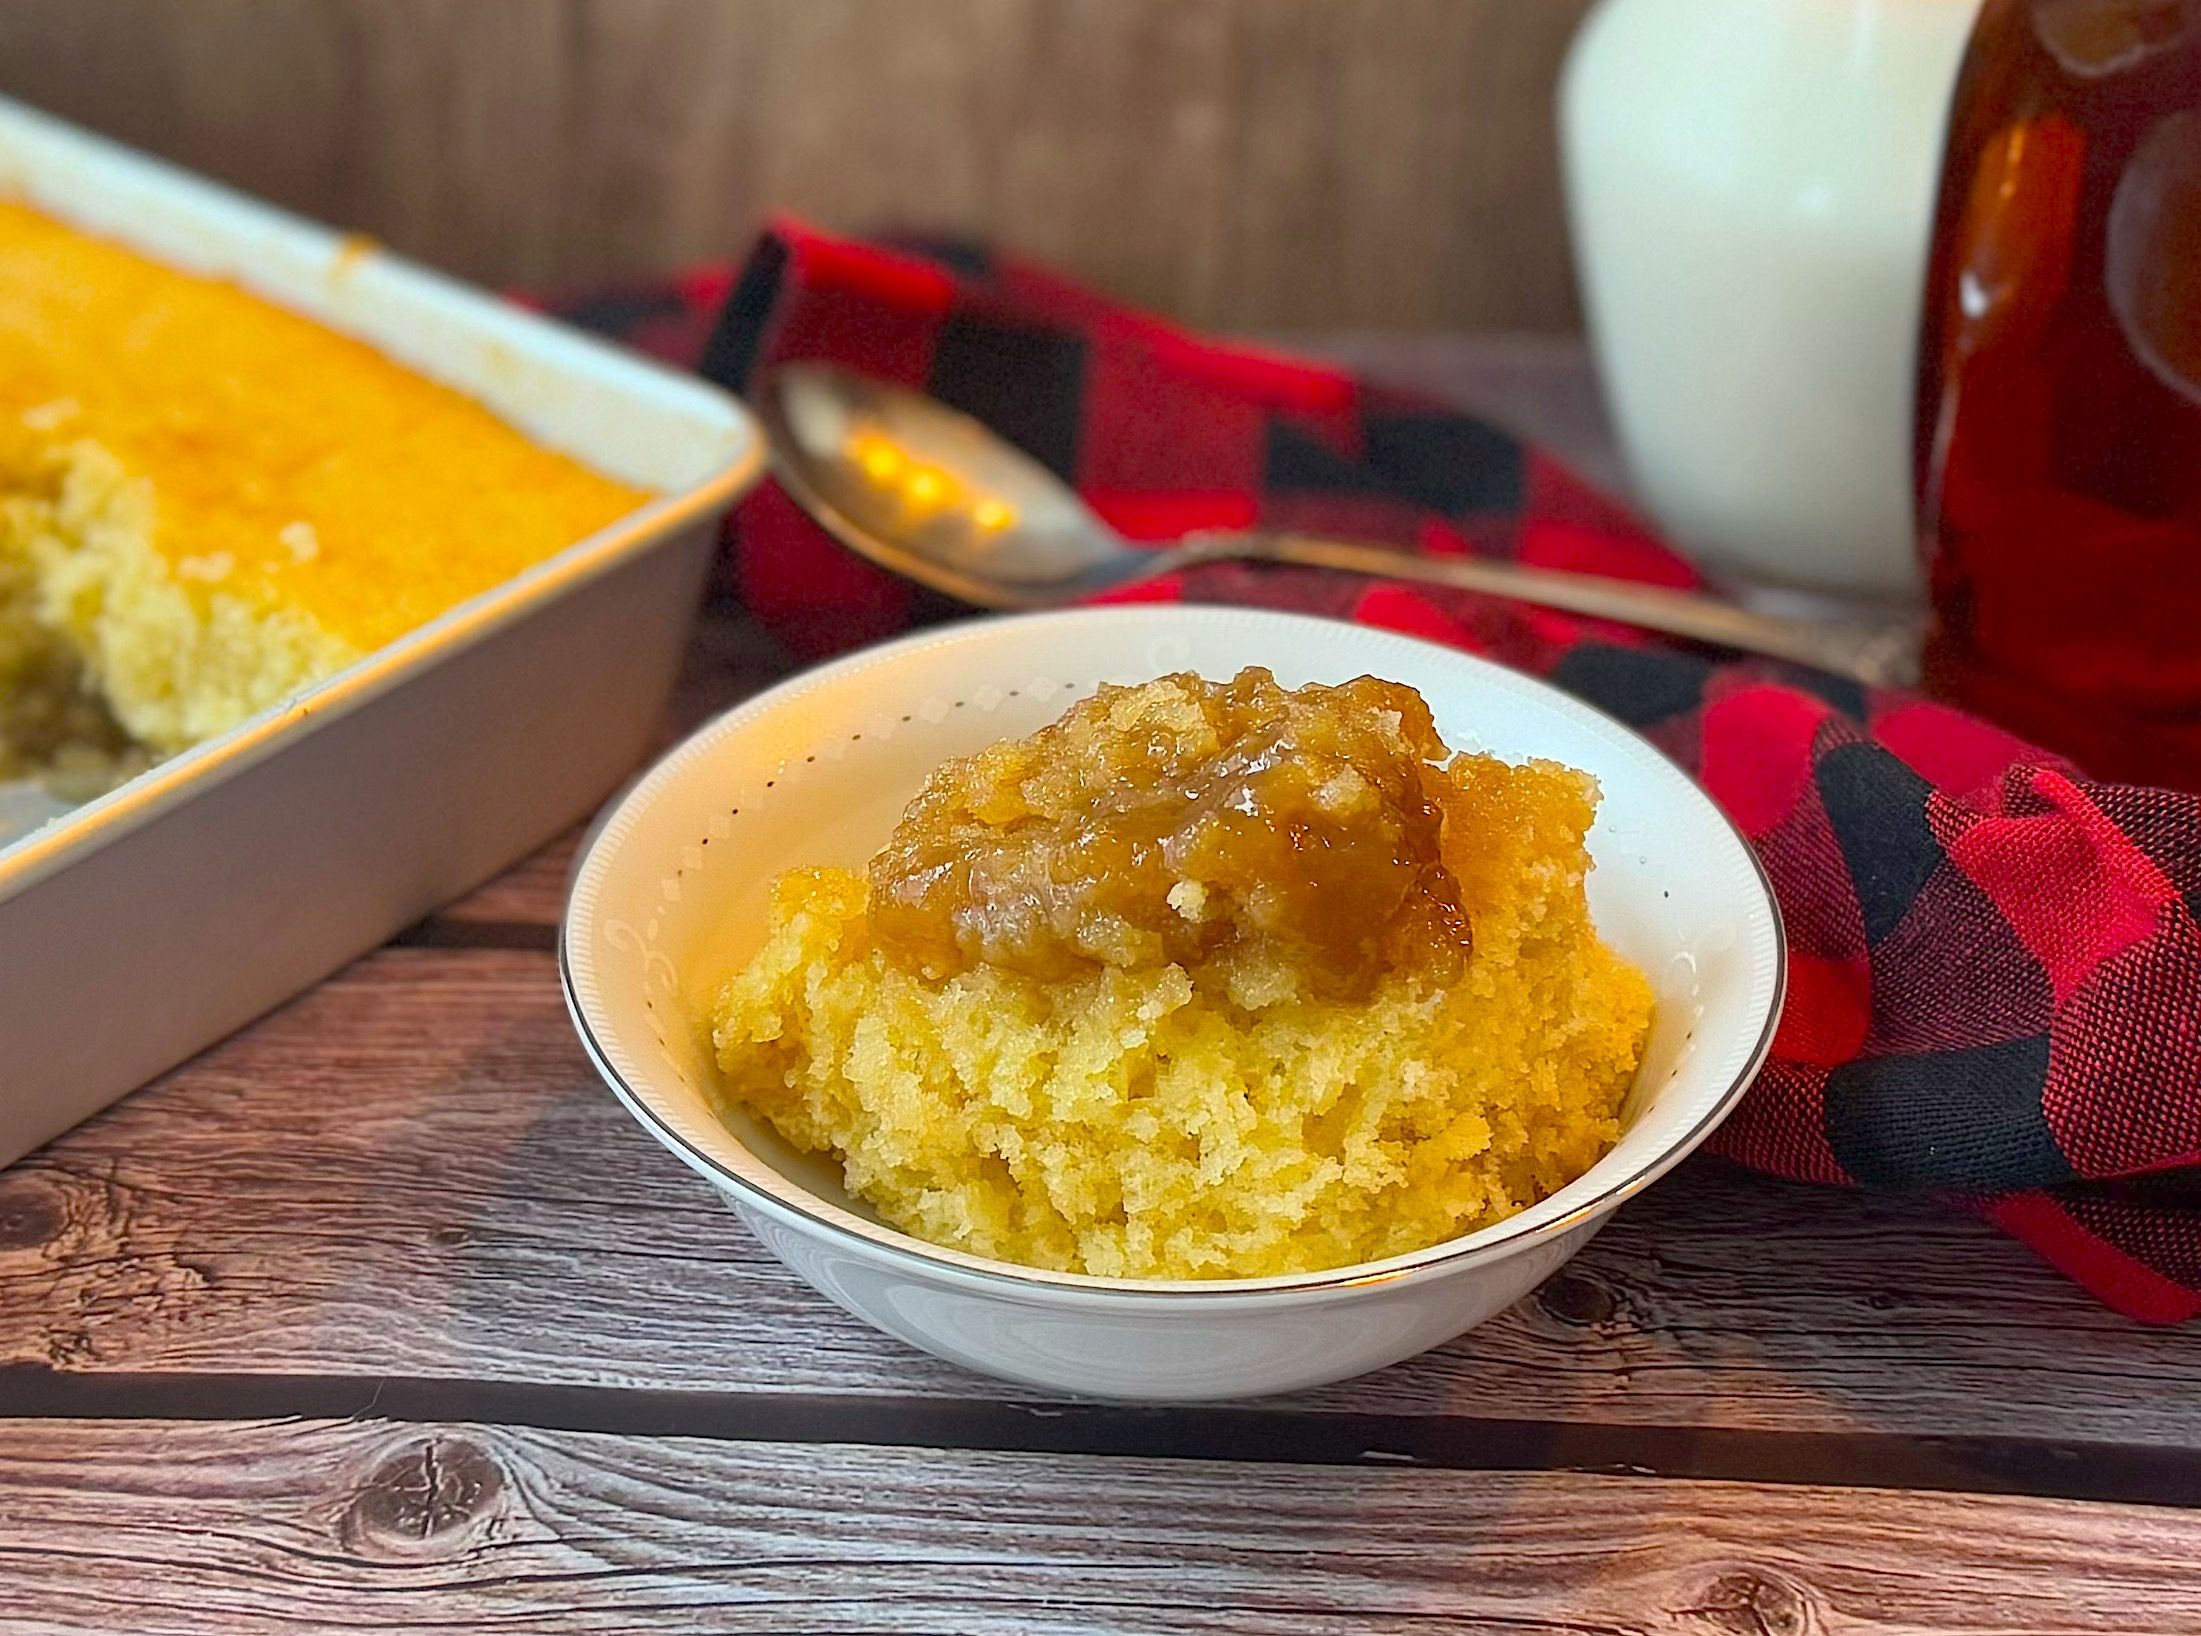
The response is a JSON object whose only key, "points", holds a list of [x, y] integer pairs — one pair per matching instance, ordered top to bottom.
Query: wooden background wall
{"points": [[1255, 164]]}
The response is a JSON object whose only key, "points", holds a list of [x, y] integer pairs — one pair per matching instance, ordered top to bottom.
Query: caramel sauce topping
{"points": [[1183, 821]]}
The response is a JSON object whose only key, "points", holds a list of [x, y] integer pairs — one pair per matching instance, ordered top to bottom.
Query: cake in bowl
{"points": [[209, 503], [1204, 980]]}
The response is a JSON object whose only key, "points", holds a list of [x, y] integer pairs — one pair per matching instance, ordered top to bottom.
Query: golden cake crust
{"points": [[246, 500]]}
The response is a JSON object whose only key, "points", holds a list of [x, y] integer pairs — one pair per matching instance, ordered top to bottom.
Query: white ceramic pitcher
{"points": [[1752, 186]]}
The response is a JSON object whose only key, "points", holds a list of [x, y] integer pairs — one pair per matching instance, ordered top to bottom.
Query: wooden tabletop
{"points": [[384, 1315]]}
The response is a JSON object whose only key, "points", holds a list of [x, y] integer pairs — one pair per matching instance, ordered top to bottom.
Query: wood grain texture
{"points": [[1242, 162], [413, 1172], [160, 1528]]}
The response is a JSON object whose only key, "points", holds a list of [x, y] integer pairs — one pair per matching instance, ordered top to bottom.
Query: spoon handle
{"points": [[1882, 652]]}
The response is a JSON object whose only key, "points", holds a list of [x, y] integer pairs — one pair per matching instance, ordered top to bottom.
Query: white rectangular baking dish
{"points": [[148, 924]]}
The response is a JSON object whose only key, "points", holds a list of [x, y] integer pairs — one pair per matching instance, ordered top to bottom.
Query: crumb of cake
{"points": [[49, 417], [300, 541], [1206, 980]]}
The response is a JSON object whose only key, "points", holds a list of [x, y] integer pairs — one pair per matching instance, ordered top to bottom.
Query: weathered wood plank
{"points": [[1330, 146], [1248, 162], [412, 1171], [159, 1528]]}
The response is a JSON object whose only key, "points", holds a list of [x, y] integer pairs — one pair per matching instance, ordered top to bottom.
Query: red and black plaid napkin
{"points": [[1995, 963]]}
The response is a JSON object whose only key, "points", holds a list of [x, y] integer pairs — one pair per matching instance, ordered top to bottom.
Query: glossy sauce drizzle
{"points": [[1182, 821]]}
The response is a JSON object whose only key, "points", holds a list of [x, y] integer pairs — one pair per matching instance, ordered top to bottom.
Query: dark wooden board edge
{"points": [[2128, 1473]]}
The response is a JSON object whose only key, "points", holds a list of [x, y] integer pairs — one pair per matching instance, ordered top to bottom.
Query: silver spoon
{"points": [[931, 493]]}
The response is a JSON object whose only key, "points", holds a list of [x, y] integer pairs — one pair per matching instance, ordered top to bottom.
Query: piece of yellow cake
{"points": [[208, 503], [1203, 981]]}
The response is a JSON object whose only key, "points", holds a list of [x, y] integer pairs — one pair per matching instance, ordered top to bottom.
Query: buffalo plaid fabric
{"points": [[1995, 963]]}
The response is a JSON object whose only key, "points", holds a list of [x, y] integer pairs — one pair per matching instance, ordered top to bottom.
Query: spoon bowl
{"points": [[931, 493]]}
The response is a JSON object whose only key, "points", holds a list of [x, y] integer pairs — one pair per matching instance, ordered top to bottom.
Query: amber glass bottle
{"points": [[2059, 429]]}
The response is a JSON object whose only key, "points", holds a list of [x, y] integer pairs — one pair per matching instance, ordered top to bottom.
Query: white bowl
{"points": [[670, 896]]}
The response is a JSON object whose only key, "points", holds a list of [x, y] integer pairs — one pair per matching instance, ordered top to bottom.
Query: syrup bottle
{"points": [[2059, 406]]}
